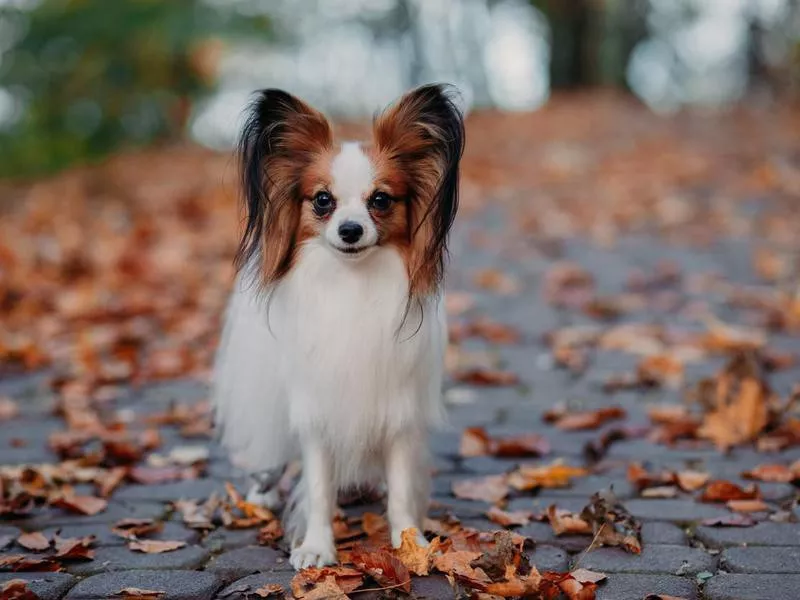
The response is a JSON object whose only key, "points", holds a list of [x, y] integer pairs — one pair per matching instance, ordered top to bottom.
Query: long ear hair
{"points": [[422, 136], [281, 138]]}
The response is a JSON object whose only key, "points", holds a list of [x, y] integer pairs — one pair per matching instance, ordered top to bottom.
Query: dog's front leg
{"points": [[408, 483], [318, 548]]}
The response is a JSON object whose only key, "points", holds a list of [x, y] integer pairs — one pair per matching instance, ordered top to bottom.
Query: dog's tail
{"points": [[250, 408]]}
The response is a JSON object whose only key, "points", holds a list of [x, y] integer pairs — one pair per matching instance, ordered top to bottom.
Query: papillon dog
{"points": [[333, 345]]}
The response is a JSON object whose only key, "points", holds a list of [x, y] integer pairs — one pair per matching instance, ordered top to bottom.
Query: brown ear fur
{"points": [[421, 137], [282, 138]]}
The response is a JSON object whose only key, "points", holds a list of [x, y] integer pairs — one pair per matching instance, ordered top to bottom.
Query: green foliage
{"points": [[89, 76]]}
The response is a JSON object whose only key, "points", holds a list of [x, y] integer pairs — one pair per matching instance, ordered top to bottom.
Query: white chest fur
{"points": [[356, 368]]}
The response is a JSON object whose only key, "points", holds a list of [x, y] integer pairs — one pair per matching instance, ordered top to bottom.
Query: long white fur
{"points": [[333, 366]]}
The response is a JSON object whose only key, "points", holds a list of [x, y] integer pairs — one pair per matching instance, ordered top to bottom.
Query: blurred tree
{"points": [[80, 78]]}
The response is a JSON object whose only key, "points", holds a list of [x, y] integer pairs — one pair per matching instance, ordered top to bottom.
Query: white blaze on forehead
{"points": [[352, 173]]}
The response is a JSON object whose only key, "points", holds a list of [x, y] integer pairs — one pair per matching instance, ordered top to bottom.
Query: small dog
{"points": [[333, 344]]}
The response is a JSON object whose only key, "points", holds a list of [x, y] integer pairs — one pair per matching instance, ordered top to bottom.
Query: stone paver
{"points": [[195, 489], [677, 510], [658, 532], [761, 534], [116, 558], [549, 558], [761, 559], [675, 560], [238, 563], [177, 585], [47, 586], [622, 586], [736, 586]]}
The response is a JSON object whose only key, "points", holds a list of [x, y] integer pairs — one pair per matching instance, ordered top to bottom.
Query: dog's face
{"points": [[398, 190], [353, 202]]}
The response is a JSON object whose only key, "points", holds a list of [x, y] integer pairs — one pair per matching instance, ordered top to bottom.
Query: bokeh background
{"points": [[80, 79], [587, 120]]}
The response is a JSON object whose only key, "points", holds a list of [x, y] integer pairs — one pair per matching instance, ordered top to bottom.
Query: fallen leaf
{"points": [[497, 281], [493, 332], [487, 377], [8, 409], [589, 419], [475, 441], [772, 473], [555, 475], [110, 480], [690, 481], [491, 488], [661, 491], [723, 491], [83, 505], [747, 506], [508, 519], [741, 520], [564, 522], [612, 524], [131, 528], [34, 541], [155, 546], [74, 548], [415, 557], [20, 562], [383, 567], [587, 576], [346, 579], [17, 589], [270, 589], [132, 593]]}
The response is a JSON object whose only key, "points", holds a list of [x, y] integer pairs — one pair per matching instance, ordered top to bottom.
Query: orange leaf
{"points": [[491, 488], [155, 546]]}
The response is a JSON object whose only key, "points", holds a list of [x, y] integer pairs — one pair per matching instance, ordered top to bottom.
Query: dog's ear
{"points": [[422, 136], [281, 138]]}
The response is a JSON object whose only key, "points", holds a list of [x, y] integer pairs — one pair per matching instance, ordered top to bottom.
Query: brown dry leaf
{"points": [[497, 281], [493, 332], [662, 369], [487, 377], [8, 409], [589, 419], [475, 441], [772, 473], [555, 475], [110, 480], [691, 481], [491, 488], [660, 491], [723, 491], [83, 505], [747, 506], [508, 519], [564, 522], [374, 524], [612, 524], [131, 529], [270, 533], [34, 541], [155, 546], [74, 548], [415, 557], [20, 562], [457, 562], [385, 568], [587, 576], [347, 579], [515, 585], [17, 589], [270, 589], [328, 589], [132, 593]]}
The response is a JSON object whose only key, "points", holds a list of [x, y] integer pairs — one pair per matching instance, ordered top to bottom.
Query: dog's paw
{"points": [[397, 539], [312, 555]]}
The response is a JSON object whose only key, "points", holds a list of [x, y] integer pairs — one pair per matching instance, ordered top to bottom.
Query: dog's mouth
{"points": [[352, 251]]}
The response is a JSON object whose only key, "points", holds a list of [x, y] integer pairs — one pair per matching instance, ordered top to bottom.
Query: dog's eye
{"points": [[380, 202], [323, 203]]}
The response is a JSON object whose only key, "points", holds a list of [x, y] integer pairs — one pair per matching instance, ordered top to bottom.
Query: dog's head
{"points": [[399, 189]]}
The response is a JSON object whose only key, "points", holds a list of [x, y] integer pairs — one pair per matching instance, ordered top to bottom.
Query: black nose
{"points": [[350, 232]]}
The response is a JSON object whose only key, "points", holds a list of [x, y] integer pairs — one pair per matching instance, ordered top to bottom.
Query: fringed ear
{"points": [[422, 136], [281, 138]]}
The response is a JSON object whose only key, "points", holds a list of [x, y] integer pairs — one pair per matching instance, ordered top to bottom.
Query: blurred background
{"points": [[80, 79]]}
